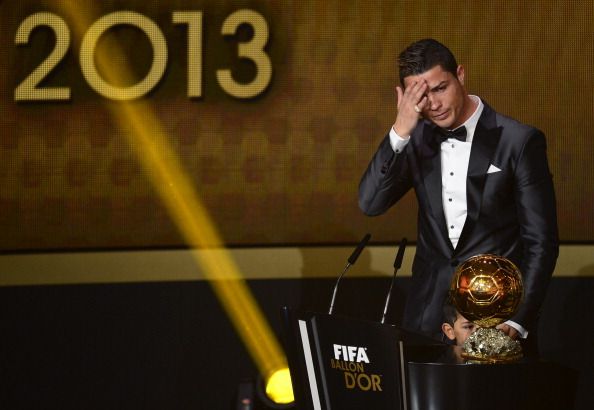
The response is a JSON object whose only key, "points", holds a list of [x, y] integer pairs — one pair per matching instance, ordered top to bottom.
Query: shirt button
{"points": [[453, 146], [451, 173], [450, 199], [452, 227]]}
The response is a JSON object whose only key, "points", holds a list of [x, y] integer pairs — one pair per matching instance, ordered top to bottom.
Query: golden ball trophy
{"points": [[487, 290]]}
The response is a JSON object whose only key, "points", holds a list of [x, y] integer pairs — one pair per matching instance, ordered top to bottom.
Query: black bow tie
{"points": [[459, 134]]}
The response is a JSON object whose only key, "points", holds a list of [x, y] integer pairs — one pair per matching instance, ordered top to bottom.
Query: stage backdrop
{"points": [[275, 141]]}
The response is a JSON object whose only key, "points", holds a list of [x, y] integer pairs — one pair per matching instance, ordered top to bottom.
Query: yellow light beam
{"points": [[151, 144]]}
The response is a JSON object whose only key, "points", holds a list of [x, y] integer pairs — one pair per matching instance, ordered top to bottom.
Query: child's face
{"points": [[461, 330]]}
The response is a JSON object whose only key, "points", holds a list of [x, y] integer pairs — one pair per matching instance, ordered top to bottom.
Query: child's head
{"points": [[456, 327]]}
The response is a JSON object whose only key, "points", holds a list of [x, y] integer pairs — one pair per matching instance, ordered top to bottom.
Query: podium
{"points": [[342, 363]]}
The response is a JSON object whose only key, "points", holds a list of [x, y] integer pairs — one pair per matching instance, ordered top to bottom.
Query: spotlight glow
{"points": [[149, 139], [279, 388]]}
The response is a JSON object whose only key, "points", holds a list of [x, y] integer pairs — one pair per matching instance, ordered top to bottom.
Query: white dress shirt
{"points": [[455, 156]]}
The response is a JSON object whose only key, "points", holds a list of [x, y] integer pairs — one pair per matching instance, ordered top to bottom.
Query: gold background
{"points": [[281, 168]]}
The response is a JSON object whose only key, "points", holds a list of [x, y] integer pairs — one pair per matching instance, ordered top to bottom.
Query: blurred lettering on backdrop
{"points": [[274, 110]]}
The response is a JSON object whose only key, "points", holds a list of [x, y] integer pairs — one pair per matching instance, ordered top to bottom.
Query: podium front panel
{"points": [[351, 364]]}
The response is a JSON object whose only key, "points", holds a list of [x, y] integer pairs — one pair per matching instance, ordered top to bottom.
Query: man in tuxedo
{"points": [[482, 183]]}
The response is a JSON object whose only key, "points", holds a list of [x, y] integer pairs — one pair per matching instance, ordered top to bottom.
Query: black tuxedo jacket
{"points": [[510, 212]]}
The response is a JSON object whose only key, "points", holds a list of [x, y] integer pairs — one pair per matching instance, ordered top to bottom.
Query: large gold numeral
{"points": [[194, 21], [253, 50], [87, 53], [27, 90]]}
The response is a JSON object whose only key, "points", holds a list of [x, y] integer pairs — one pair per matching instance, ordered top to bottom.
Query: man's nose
{"points": [[434, 103]]}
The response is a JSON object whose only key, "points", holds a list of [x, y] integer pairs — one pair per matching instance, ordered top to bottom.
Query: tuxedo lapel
{"points": [[484, 143], [431, 171]]}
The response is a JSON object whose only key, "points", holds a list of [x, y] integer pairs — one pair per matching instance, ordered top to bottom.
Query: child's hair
{"points": [[449, 312]]}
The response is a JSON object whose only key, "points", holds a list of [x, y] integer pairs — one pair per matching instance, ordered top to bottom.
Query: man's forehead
{"points": [[433, 76]]}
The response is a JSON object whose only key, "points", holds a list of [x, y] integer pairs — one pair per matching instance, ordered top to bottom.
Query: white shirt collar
{"points": [[472, 121]]}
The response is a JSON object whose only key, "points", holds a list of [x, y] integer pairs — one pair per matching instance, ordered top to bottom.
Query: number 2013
{"points": [[29, 89]]}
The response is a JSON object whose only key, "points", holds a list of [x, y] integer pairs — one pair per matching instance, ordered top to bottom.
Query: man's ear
{"points": [[460, 74], [448, 330]]}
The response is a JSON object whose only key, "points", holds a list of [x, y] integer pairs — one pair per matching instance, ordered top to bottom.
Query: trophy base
{"points": [[491, 346], [475, 359]]}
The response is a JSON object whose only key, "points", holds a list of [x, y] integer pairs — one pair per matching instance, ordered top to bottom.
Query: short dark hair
{"points": [[423, 55], [450, 313]]}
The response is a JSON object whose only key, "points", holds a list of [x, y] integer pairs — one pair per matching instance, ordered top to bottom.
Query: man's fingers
{"points": [[417, 89], [412, 90], [399, 94], [414, 94], [423, 103], [408, 108], [503, 327], [508, 330], [513, 333]]}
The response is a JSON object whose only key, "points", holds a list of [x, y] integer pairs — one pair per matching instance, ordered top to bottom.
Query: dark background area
{"points": [[169, 346]]}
